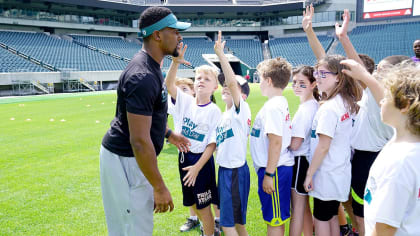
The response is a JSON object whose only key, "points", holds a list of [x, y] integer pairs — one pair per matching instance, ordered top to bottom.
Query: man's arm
{"points": [[316, 46], [230, 80], [144, 151]]}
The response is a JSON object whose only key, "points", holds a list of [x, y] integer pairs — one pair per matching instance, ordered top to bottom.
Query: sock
{"points": [[193, 217], [216, 218]]}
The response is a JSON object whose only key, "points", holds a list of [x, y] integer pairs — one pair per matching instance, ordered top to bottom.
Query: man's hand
{"points": [[307, 18], [342, 31], [219, 45], [180, 58], [181, 142], [268, 185], [163, 200]]}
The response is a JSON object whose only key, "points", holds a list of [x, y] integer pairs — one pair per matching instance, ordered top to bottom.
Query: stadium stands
{"points": [[380, 41], [115, 45], [296, 49], [247, 50], [60, 53], [10, 62]]}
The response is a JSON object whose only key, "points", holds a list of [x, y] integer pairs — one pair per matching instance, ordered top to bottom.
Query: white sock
{"points": [[193, 217], [216, 218]]}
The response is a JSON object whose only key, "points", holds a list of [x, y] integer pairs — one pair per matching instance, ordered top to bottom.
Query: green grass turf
{"points": [[49, 166]]}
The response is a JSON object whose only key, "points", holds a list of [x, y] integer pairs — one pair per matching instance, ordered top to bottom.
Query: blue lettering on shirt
{"points": [[188, 130], [255, 132], [313, 134], [223, 135], [368, 196]]}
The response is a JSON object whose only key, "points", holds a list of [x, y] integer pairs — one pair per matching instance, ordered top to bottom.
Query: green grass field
{"points": [[49, 166]]}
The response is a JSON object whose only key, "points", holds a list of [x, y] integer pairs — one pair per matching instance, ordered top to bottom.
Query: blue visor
{"points": [[169, 21]]}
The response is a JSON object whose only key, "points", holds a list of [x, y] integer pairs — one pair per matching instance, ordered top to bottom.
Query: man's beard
{"points": [[175, 53]]}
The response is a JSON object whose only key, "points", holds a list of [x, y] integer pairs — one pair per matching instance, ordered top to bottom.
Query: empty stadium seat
{"points": [[247, 50], [10, 62]]}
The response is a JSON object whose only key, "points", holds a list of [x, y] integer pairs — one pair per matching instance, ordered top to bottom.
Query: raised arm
{"points": [[341, 32], [316, 46], [358, 71], [171, 74], [230, 80]]}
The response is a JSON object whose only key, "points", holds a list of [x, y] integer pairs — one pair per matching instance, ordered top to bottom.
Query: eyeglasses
{"points": [[322, 74]]}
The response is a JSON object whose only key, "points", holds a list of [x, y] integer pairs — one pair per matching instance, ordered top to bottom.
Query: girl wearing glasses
{"points": [[304, 86], [329, 174]]}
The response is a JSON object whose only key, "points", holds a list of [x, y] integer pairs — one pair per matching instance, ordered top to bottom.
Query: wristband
{"points": [[168, 133], [269, 174]]}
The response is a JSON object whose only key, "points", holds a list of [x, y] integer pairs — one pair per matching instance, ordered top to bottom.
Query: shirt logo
{"points": [[164, 93], [287, 117], [345, 117], [193, 131], [224, 132], [313, 134], [368, 196], [418, 197]]}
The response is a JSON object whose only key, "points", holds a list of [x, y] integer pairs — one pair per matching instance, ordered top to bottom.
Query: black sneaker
{"points": [[189, 225], [217, 226], [345, 230], [217, 231]]}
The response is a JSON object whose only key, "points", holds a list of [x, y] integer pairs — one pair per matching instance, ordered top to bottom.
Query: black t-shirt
{"points": [[142, 91]]}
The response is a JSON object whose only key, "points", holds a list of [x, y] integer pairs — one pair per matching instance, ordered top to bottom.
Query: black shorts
{"points": [[360, 166], [299, 174], [204, 192], [325, 210]]}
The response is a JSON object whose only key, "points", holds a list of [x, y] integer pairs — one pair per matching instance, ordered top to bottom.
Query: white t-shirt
{"points": [[171, 111], [273, 118], [196, 121], [302, 126], [369, 132], [232, 136], [332, 179], [392, 194]]}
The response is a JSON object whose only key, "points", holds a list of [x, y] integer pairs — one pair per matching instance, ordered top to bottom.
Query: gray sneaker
{"points": [[189, 225]]}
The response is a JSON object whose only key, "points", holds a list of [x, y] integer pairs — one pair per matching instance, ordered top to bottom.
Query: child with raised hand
{"points": [[304, 86], [199, 117], [370, 134], [270, 139], [231, 141], [329, 174], [391, 199]]}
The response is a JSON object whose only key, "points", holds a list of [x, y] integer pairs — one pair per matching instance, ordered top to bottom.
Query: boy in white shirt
{"points": [[270, 137], [231, 141], [392, 194]]}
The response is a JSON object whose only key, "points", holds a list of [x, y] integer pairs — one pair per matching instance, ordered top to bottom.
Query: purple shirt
{"points": [[415, 59]]}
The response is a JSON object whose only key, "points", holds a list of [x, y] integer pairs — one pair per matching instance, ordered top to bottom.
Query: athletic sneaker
{"points": [[189, 225], [217, 225], [345, 230], [217, 231]]}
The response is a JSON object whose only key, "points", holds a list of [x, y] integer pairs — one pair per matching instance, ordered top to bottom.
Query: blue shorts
{"points": [[204, 192], [233, 192], [276, 206]]}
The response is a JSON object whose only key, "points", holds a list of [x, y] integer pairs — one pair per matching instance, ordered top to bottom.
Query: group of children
{"points": [[339, 114]]}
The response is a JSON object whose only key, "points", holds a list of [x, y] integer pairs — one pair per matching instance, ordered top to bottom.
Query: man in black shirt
{"points": [[132, 186]]}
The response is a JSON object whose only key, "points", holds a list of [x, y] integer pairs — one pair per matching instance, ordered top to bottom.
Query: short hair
{"points": [[152, 15], [368, 62], [206, 69], [278, 69], [308, 72], [187, 81], [403, 83]]}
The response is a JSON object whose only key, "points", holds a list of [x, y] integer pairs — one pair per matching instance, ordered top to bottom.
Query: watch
{"points": [[168, 133], [269, 174]]}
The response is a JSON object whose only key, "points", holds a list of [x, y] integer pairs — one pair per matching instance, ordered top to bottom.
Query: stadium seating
{"points": [[202, 2], [380, 41], [115, 45], [296, 49], [247, 50], [60, 53], [10, 62]]}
